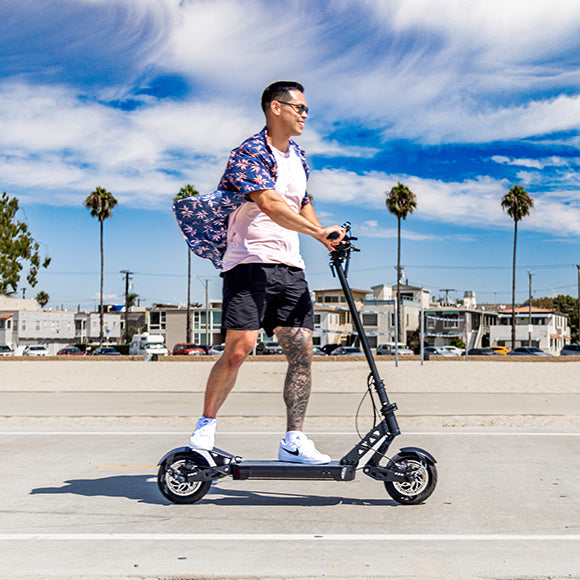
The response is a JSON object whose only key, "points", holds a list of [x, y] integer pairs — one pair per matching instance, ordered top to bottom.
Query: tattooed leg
{"points": [[297, 345]]}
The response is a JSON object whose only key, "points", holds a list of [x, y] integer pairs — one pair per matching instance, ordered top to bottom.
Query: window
{"points": [[330, 299], [369, 319], [157, 320], [317, 320]]}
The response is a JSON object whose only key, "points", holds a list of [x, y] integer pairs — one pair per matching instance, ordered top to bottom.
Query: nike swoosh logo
{"points": [[296, 452]]}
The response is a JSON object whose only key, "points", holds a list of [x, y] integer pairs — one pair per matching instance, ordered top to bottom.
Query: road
{"points": [[80, 499]]}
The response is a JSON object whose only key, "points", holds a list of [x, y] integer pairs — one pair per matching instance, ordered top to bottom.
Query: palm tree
{"points": [[184, 192], [400, 202], [101, 203], [518, 204], [42, 298]]}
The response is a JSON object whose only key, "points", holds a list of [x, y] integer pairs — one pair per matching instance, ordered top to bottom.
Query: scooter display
{"points": [[410, 476]]}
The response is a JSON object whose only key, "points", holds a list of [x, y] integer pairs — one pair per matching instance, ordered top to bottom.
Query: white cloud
{"points": [[533, 163], [474, 202], [371, 229]]}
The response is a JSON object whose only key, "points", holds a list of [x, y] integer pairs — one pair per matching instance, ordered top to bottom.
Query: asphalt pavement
{"points": [[80, 497]]}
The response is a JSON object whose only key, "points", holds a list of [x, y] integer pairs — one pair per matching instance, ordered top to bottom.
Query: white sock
{"points": [[292, 436]]}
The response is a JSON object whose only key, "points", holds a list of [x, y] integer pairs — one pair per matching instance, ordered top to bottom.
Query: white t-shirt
{"points": [[253, 237]]}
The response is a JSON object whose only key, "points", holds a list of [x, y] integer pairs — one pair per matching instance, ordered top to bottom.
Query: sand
{"points": [[539, 384]]}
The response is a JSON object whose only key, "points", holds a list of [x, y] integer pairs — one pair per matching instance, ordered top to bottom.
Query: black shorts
{"points": [[265, 296]]}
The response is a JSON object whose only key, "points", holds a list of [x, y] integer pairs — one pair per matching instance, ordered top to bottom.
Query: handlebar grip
{"points": [[333, 236]]}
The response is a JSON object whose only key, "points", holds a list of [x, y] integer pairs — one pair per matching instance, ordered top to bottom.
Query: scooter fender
{"points": [[200, 452], [419, 453]]}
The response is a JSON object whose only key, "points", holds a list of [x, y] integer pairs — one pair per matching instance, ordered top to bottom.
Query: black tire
{"points": [[173, 483], [420, 488]]}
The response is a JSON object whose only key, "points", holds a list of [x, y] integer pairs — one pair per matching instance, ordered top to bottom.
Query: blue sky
{"points": [[459, 101]]}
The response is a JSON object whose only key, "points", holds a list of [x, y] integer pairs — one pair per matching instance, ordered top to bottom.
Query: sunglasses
{"points": [[300, 109]]}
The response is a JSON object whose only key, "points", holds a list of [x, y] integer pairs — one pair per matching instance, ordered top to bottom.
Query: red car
{"points": [[185, 348], [70, 350]]}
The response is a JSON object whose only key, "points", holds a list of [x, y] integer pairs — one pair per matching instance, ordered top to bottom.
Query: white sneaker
{"points": [[204, 435], [301, 450]]}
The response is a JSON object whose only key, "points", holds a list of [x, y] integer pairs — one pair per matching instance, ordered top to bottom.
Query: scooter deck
{"points": [[286, 470]]}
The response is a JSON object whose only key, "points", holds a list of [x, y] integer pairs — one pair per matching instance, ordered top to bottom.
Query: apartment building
{"points": [[332, 319], [171, 322], [333, 323], [472, 325], [540, 327], [55, 328]]}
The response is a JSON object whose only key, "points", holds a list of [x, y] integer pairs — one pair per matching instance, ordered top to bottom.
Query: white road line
{"points": [[325, 433], [294, 537]]}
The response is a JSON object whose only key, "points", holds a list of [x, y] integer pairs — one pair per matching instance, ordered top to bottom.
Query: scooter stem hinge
{"points": [[389, 409]]}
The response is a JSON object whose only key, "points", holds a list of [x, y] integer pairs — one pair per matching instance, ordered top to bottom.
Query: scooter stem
{"points": [[387, 408]]}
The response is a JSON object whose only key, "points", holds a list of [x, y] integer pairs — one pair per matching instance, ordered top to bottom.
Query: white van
{"points": [[148, 344], [389, 348]]}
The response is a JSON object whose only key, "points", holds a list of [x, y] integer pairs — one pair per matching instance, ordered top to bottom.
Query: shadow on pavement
{"points": [[143, 488]]}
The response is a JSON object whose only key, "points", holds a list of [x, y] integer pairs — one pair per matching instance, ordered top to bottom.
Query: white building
{"points": [[472, 325], [55, 329], [548, 330]]}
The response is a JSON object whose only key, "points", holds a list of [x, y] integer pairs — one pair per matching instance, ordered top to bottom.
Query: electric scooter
{"points": [[185, 475]]}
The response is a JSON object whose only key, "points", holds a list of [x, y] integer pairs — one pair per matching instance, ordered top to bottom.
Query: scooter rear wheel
{"points": [[424, 479], [173, 482]]}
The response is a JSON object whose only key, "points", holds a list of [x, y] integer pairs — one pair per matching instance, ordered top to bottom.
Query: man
{"points": [[264, 285]]}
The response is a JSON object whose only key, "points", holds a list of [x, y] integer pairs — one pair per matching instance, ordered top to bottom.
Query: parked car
{"points": [[188, 348], [269, 348], [328, 348], [216, 349], [390, 349], [500, 349], [5, 350], [35, 350], [70, 350], [345, 350], [455, 350], [528, 350], [570, 350], [106, 351], [317, 351], [439, 351], [481, 351]]}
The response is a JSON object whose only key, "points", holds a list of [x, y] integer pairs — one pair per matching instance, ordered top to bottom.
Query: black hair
{"points": [[278, 90]]}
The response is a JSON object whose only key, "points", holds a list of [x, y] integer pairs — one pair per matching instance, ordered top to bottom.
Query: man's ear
{"points": [[275, 108]]}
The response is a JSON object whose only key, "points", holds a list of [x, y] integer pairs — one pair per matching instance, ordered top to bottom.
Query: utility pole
{"points": [[530, 274], [127, 279], [578, 329]]}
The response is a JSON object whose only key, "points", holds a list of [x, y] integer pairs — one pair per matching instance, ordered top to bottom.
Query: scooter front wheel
{"points": [[174, 478], [421, 482]]}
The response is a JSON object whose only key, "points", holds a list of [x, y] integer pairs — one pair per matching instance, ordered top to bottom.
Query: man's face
{"points": [[291, 119]]}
